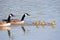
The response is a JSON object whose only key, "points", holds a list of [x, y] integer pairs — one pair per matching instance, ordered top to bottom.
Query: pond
{"points": [[46, 10]]}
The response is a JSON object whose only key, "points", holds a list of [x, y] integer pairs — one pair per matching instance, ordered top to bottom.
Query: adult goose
{"points": [[16, 21], [6, 24]]}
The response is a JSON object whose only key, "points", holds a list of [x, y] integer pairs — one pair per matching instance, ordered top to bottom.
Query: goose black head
{"points": [[26, 14], [11, 15]]}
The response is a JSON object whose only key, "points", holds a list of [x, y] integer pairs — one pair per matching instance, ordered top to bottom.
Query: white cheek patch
{"points": [[25, 14], [10, 15]]}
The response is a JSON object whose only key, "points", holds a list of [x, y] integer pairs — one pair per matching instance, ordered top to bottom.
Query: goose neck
{"points": [[22, 17], [8, 20]]}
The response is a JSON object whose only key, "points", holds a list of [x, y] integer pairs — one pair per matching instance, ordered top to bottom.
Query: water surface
{"points": [[46, 10]]}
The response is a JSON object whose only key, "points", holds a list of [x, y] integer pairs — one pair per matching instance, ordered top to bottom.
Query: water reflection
{"points": [[36, 23], [5, 28], [8, 31]]}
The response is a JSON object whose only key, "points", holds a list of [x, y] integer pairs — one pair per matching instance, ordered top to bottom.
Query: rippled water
{"points": [[46, 10]]}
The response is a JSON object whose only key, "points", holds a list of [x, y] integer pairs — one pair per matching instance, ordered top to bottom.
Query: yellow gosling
{"points": [[52, 22], [37, 23], [42, 23]]}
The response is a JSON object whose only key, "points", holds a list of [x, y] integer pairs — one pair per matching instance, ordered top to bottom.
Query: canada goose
{"points": [[16, 21], [5, 24]]}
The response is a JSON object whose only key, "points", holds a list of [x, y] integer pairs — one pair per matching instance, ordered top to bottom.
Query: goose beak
{"points": [[28, 14], [13, 15]]}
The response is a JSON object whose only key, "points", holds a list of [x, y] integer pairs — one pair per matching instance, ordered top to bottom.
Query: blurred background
{"points": [[46, 10]]}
